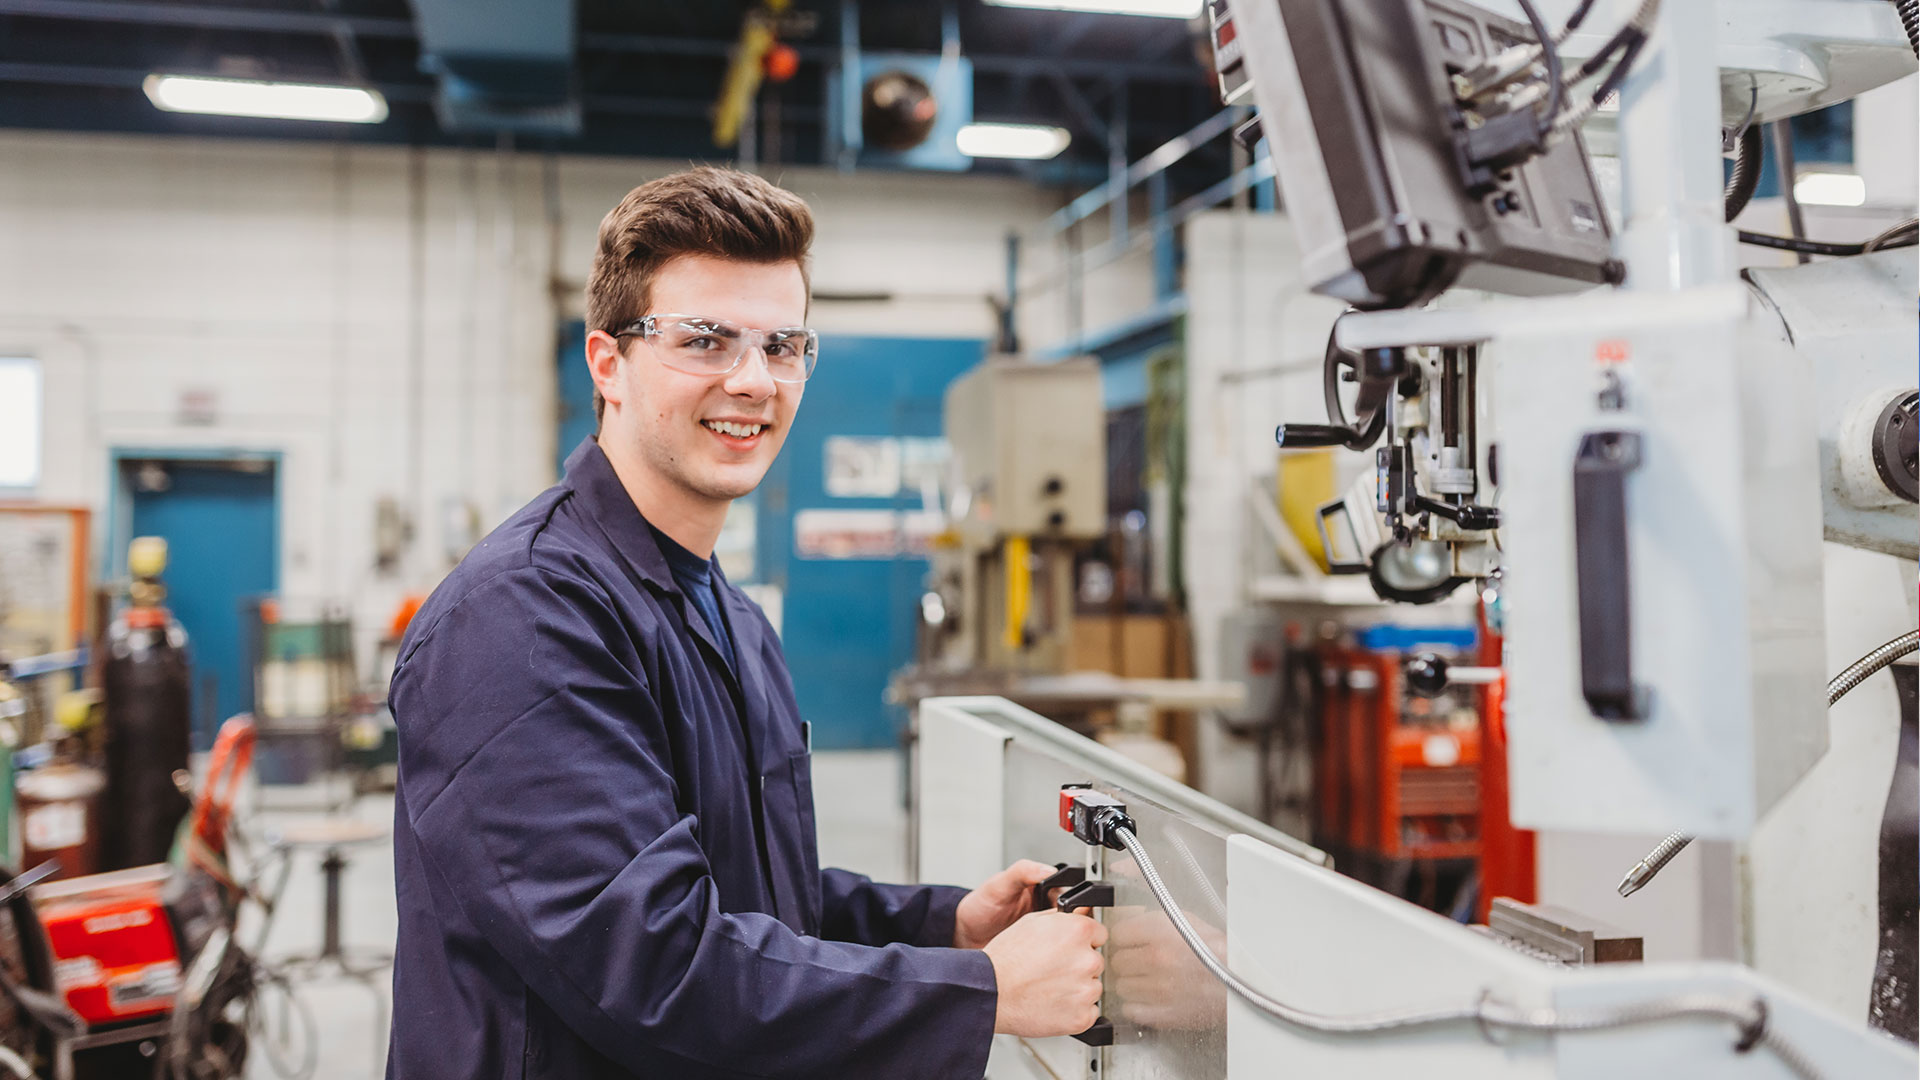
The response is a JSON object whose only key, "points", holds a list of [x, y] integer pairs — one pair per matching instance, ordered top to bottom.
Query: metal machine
{"points": [[1651, 469], [1027, 497], [1333, 978]]}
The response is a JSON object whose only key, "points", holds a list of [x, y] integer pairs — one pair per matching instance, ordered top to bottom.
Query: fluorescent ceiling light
{"points": [[1170, 9], [273, 100], [1031, 141], [1830, 189]]}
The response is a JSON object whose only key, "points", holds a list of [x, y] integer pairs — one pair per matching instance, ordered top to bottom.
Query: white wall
{"points": [[282, 277]]}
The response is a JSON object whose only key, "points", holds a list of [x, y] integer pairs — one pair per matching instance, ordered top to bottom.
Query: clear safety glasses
{"points": [[699, 345]]}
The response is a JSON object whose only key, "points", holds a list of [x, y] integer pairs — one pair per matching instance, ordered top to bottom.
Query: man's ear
{"points": [[603, 361]]}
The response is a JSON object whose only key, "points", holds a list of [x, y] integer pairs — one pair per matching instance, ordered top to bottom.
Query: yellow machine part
{"points": [[1305, 483], [1017, 559]]}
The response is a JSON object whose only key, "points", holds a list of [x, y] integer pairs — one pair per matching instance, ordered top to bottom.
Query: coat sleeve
{"points": [[535, 767], [856, 908]]}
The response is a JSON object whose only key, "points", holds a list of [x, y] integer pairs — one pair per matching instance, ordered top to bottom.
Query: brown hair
{"points": [[702, 211]]}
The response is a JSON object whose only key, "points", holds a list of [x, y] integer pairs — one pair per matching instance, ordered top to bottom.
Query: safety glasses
{"points": [[698, 345]]}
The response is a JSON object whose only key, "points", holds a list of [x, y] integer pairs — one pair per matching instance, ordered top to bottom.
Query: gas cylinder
{"points": [[148, 718], [60, 817]]}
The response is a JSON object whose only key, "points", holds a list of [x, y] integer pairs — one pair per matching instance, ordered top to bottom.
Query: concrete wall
{"points": [[384, 318]]}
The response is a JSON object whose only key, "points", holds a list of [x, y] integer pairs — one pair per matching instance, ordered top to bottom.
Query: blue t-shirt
{"points": [[696, 578]]}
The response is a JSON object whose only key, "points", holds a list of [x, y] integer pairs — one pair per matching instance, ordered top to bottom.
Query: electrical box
{"points": [[1021, 434], [1660, 498]]}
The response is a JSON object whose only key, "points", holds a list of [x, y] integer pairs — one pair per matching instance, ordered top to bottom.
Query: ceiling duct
{"points": [[503, 65]]}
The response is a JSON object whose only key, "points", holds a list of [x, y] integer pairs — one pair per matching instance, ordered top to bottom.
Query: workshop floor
{"points": [[862, 827]]}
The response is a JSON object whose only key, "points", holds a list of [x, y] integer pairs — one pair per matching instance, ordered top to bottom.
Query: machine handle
{"points": [[1310, 436], [1600, 471], [1063, 877], [1086, 894], [1100, 1034]]}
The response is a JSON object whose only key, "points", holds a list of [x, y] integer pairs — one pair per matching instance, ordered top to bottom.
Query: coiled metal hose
{"points": [[1910, 18], [1851, 676], [1748, 1014]]}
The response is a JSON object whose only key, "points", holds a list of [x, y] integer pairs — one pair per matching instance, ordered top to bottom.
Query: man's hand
{"points": [[991, 908], [1047, 971]]}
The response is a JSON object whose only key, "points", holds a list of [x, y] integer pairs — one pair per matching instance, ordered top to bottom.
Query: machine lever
{"points": [[1311, 436], [1600, 471], [1063, 877], [1086, 894], [1100, 1034]]}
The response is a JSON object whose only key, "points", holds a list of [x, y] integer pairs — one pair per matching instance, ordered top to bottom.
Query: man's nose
{"points": [[751, 378]]}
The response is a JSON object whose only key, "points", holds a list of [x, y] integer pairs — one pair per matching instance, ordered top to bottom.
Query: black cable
{"points": [[1580, 15], [1910, 18], [1620, 40], [1619, 73], [1556, 93], [1746, 171], [1902, 235], [1799, 245]]}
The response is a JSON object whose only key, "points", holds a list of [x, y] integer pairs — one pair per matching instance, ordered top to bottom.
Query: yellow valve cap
{"points": [[147, 556], [75, 708]]}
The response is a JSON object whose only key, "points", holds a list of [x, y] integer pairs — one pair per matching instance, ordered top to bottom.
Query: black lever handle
{"points": [[1309, 436], [1600, 471], [1063, 877], [1086, 894], [1100, 1034]]}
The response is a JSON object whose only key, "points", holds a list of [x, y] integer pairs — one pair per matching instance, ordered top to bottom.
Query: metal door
{"points": [[220, 522]]}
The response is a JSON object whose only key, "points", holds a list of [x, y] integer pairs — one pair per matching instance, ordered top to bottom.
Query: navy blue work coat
{"points": [[604, 840]]}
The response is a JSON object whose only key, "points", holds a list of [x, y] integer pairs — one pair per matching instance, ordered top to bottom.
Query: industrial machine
{"points": [[1646, 448], [1027, 498], [1397, 791], [1245, 954], [106, 963]]}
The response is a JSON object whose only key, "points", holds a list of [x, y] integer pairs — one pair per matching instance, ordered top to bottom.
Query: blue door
{"points": [[223, 550], [849, 620]]}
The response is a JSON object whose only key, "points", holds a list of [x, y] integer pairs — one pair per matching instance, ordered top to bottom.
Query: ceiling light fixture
{"points": [[1166, 9], [269, 100], [1033, 142], [1830, 189]]}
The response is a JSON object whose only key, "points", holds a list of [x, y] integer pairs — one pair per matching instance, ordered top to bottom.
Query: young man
{"points": [[603, 837]]}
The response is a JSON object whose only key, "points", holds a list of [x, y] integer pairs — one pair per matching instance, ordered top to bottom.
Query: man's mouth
{"points": [[735, 430]]}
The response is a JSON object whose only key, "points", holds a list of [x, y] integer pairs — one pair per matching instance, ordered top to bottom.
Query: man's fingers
{"points": [[1025, 874]]}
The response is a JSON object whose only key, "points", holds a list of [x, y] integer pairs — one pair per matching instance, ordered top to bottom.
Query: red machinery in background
{"points": [[1410, 779], [1507, 866], [143, 955]]}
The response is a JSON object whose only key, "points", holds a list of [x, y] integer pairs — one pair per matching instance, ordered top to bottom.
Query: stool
{"points": [[330, 836]]}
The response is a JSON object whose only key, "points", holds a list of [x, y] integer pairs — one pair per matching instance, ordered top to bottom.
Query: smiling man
{"points": [[603, 839]]}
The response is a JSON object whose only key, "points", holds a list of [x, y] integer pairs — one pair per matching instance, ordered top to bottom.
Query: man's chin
{"points": [[727, 484]]}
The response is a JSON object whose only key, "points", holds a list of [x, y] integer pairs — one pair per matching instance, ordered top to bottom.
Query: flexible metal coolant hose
{"points": [[1851, 676], [1748, 1014]]}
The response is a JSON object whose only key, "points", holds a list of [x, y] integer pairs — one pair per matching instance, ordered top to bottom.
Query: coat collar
{"points": [[606, 502]]}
